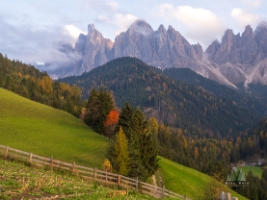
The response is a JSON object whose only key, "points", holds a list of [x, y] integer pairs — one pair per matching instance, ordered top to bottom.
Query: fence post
{"points": [[6, 153], [30, 159], [51, 163], [73, 168], [95, 173], [106, 177], [119, 179], [136, 184], [163, 190]]}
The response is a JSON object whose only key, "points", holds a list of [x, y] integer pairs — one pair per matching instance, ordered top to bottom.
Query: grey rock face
{"points": [[135, 42], [80, 44], [162, 48], [97, 49], [236, 49], [239, 58]]}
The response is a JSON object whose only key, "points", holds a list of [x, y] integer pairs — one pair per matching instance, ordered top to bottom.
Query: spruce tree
{"points": [[126, 120], [143, 149], [121, 154], [137, 169]]}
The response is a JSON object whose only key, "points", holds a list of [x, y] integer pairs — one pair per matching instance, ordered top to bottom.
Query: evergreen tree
{"points": [[99, 104], [126, 120], [143, 151], [121, 154], [149, 154], [137, 169]]}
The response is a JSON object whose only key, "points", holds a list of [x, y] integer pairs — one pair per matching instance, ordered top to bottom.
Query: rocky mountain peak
{"points": [[91, 26], [140, 26], [162, 28], [171, 29], [261, 31], [248, 33], [228, 34], [80, 44], [237, 58]]}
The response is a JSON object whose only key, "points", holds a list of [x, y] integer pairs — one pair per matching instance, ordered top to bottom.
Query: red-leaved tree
{"points": [[111, 122]]}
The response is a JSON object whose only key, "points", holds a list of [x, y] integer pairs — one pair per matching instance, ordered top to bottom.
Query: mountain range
{"points": [[237, 59]]}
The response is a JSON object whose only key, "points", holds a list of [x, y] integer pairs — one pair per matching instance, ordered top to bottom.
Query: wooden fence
{"points": [[89, 173]]}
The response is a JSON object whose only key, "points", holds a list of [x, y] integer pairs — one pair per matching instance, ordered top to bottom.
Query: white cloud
{"points": [[253, 3], [113, 5], [244, 18], [104, 19], [119, 20], [123, 21], [201, 24], [72, 31]]}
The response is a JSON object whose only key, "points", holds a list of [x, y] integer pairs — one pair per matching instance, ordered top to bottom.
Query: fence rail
{"points": [[89, 173]]}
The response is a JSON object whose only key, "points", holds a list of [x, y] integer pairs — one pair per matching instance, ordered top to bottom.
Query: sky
{"points": [[31, 30]]}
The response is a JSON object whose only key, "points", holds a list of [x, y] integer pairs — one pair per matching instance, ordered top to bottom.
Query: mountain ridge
{"points": [[238, 58]]}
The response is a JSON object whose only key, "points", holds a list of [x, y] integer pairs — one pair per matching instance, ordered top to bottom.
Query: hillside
{"points": [[31, 83], [244, 98], [173, 102], [33, 127], [256, 139], [187, 181], [22, 182]]}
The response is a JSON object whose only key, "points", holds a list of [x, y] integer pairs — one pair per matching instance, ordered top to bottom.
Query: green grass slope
{"points": [[33, 127], [42, 130], [257, 171], [187, 181], [21, 182]]}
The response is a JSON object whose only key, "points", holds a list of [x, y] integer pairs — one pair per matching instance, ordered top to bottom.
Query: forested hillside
{"points": [[33, 84], [244, 98], [175, 103]]}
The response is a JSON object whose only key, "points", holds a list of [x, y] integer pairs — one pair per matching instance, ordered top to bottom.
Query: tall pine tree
{"points": [[143, 148]]}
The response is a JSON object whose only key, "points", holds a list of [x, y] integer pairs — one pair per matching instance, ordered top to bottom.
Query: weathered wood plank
{"points": [[18, 151], [41, 157]]}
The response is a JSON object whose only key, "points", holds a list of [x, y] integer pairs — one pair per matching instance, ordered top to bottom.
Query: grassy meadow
{"points": [[42, 130], [257, 171], [187, 181], [21, 182]]}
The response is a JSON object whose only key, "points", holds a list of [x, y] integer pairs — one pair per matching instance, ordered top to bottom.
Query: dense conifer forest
{"points": [[243, 97]]}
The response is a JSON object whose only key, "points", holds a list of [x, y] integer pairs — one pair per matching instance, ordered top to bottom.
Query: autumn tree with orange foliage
{"points": [[100, 104], [111, 122]]}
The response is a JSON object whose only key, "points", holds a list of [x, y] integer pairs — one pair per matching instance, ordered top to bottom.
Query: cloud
{"points": [[252, 3], [113, 5], [107, 6], [110, 14], [244, 18], [120, 21], [123, 21], [201, 24], [72, 31], [29, 45]]}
